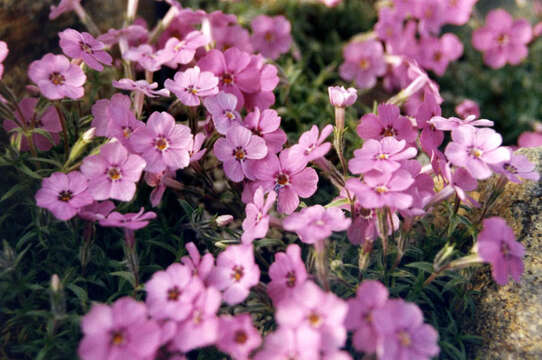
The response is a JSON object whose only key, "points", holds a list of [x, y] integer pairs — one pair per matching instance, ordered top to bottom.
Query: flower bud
{"points": [[341, 97], [223, 220]]}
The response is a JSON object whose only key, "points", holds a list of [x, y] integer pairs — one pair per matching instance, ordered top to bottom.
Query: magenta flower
{"points": [[63, 6], [457, 12], [271, 35], [502, 39], [84, 46], [183, 51], [438, 53], [3, 54], [363, 63], [237, 70], [57, 77], [269, 79], [192, 84], [140, 86], [341, 97], [222, 108], [467, 108], [48, 121], [388, 122], [266, 124], [448, 124], [430, 138], [162, 143], [311, 145], [476, 149], [238, 150], [384, 155], [519, 167], [113, 172], [289, 177], [459, 182], [383, 189], [64, 194], [96, 211], [129, 221], [256, 223], [316, 223], [497, 245], [198, 265], [235, 273], [287, 274], [170, 293], [371, 295], [323, 312], [200, 329], [120, 331], [402, 333], [237, 336], [291, 343]]}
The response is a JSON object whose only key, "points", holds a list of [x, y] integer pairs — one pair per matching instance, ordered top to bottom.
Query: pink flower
{"points": [[331, 3], [64, 6], [457, 12], [431, 15], [389, 27], [537, 30], [134, 35], [271, 35], [232, 36], [502, 39], [84, 46], [183, 51], [438, 53], [3, 54], [146, 57], [364, 62], [237, 71], [57, 77], [269, 79], [192, 84], [140, 86], [341, 97], [467, 108], [222, 109], [48, 121], [388, 122], [452, 123], [266, 124], [430, 138], [530, 139], [163, 143], [311, 145], [476, 149], [238, 150], [196, 152], [384, 155], [519, 167], [113, 172], [289, 177], [160, 181], [459, 182], [383, 189], [64, 194], [96, 211], [129, 221], [256, 224], [364, 227], [497, 245], [199, 266], [235, 273], [287, 274], [170, 293], [371, 295], [322, 312], [200, 329], [120, 331], [402, 333], [237, 336], [289, 343]]}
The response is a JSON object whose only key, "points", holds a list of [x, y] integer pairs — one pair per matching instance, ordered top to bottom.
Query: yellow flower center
{"points": [[364, 64], [57, 78], [161, 144], [114, 174], [65, 195], [238, 273]]}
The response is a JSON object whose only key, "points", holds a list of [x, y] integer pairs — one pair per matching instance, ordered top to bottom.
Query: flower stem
{"points": [[64, 129]]}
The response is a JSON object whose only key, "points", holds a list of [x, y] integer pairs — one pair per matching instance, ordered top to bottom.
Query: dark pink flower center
{"points": [[268, 36], [502, 39], [84, 46], [437, 56], [364, 64], [57, 78], [227, 79], [191, 90], [127, 131], [388, 131], [161, 143], [239, 153], [510, 168], [114, 173], [283, 179], [65, 195], [505, 250], [237, 273], [290, 279], [173, 294], [314, 319], [240, 337], [117, 338], [404, 338]]}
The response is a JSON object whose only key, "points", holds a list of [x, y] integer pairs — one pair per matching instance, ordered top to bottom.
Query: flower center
{"points": [[268, 37], [502, 39], [179, 46], [85, 47], [437, 56], [364, 64], [57, 78], [227, 78], [192, 90], [229, 114], [126, 131], [388, 131], [161, 144], [310, 149], [476, 152], [239, 153], [382, 156], [510, 168], [114, 173], [283, 180], [381, 189], [65, 195], [505, 250], [237, 273], [290, 279], [173, 294], [197, 317], [368, 318], [314, 319], [240, 337], [117, 338], [404, 338]]}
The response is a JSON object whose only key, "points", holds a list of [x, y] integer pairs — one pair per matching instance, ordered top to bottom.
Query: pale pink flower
{"points": [[63, 6], [457, 12], [431, 15], [134, 35], [271, 35], [232, 36], [84, 46], [183, 51], [437, 53], [146, 57], [364, 62], [57, 77], [191, 84], [140, 86], [341, 97], [222, 108], [388, 122], [266, 124], [448, 124], [530, 139], [311, 145], [196, 152], [384, 155], [519, 167], [64, 194], [96, 211], [129, 221], [256, 223], [201, 266], [287, 273], [237, 336], [290, 343]]}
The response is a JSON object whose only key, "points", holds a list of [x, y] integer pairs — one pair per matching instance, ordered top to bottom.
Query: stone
{"points": [[509, 318]]}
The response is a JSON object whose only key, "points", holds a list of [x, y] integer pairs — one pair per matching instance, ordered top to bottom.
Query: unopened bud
{"points": [[88, 135], [224, 220], [55, 283]]}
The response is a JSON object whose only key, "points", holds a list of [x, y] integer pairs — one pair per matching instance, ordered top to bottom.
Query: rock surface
{"points": [[509, 318]]}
